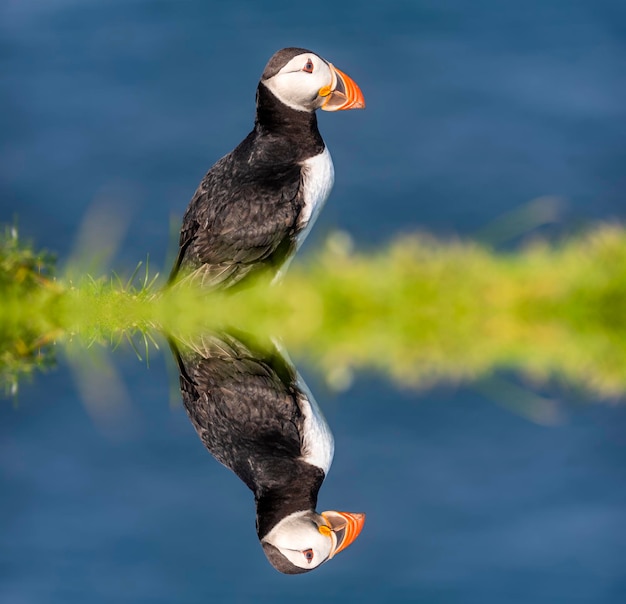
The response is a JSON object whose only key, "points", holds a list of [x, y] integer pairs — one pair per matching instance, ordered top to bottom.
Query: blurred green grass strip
{"points": [[418, 311]]}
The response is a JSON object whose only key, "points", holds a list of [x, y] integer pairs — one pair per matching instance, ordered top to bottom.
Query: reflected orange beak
{"points": [[343, 93], [345, 528]]}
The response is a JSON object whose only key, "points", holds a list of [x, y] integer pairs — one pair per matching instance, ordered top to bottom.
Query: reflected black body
{"points": [[245, 404]]}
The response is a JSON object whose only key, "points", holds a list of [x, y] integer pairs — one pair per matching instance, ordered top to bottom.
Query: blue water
{"points": [[473, 110]]}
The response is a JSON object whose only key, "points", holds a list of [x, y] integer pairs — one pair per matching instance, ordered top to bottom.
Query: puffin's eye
{"points": [[308, 67], [308, 554]]}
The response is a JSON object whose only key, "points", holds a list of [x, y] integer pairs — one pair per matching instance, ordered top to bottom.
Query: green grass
{"points": [[26, 288], [418, 311]]}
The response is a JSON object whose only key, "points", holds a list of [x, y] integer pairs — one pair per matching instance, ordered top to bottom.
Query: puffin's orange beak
{"points": [[343, 93], [344, 529]]}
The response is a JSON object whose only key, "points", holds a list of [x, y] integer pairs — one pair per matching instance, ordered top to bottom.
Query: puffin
{"points": [[255, 206], [256, 416]]}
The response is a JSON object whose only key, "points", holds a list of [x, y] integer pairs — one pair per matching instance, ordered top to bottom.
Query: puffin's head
{"points": [[304, 81], [304, 540]]}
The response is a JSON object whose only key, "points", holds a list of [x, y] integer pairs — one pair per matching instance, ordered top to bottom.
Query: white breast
{"points": [[318, 176], [318, 443]]}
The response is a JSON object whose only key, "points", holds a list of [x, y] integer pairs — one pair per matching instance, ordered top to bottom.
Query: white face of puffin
{"points": [[307, 82], [308, 539]]}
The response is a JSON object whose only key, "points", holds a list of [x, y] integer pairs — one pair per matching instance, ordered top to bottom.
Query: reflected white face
{"points": [[299, 82], [298, 538]]}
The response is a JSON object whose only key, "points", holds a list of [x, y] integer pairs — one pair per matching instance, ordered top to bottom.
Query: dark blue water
{"points": [[473, 110]]}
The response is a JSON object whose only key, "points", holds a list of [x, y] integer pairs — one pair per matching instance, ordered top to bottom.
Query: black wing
{"points": [[242, 219], [243, 404]]}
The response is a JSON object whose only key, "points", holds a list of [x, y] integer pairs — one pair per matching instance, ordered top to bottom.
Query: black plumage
{"points": [[244, 216], [244, 404]]}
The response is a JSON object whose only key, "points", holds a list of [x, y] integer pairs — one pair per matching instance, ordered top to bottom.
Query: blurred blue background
{"points": [[473, 109]]}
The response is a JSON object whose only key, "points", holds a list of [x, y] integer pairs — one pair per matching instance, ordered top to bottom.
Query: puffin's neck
{"points": [[274, 117], [296, 495]]}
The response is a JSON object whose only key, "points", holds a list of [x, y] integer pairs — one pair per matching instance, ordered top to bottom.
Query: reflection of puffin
{"points": [[256, 205], [257, 417]]}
